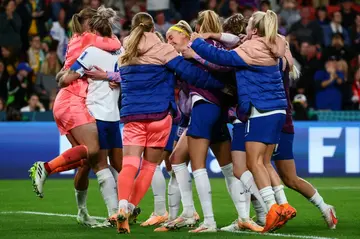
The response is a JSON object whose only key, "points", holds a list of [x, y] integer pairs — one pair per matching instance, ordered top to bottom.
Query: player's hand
{"points": [[206, 35], [243, 38], [188, 53], [96, 73], [113, 85]]}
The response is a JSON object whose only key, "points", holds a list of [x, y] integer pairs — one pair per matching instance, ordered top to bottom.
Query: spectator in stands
{"points": [[95, 4], [265, 5], [154, 6], [234, 7], [23, 9], [247, 12], [289, 13], [348, 14], [39, 15], [322, 17], [161, 25], [10, 26], [282, 26], [336, 27], [307, 30], [58, 33], [355, 34], [46, 44], [337, 50], [35, 54], [9, 59], [308, 59], [45, 80], [3, 81], [329, 82], [19, 86], [356, 89], [2, 105], [34, 105], [301, 109], [13, 114]]}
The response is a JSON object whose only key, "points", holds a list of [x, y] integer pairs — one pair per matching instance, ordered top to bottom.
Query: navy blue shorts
{"points": [[207, 121], [264, 129], [180, 130], [109, 134], [238, 140], [169, 146], [284, 150]]}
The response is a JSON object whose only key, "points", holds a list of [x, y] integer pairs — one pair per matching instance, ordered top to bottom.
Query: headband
{"points": [[178, 29]]}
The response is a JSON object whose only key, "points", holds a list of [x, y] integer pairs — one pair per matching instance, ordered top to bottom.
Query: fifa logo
{"points": [[319, 149]]}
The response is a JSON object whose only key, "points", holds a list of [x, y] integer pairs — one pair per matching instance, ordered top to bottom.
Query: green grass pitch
{"points": [[17, 195]]}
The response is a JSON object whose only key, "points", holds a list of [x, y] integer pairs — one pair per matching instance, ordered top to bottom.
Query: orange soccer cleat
{"points": [[273, 217], [155, 220], [122, 222]]}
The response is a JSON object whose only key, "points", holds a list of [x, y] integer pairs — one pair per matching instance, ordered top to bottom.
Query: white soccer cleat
{"points": [[38, 176], [330, 217], [84, 218], [182, 221], [233, 227], [205, 228]]}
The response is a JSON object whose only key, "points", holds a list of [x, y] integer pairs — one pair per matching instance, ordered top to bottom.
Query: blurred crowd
{"points": [[324, 37]]}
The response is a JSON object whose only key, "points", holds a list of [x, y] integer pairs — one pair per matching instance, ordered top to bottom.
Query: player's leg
{"points": [[204, 117], [179, 160], [285, 165], [158, 186]]}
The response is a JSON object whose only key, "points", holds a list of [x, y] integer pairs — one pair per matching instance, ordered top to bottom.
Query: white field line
{"points": [[338, 188], [47, 214], [102, 218], [284, 235]]}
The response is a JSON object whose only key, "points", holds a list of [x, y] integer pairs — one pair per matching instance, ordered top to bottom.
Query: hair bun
{"points": [[106, 13]]}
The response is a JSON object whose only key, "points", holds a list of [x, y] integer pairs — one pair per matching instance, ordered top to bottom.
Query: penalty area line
{"points": [[103, 218]]}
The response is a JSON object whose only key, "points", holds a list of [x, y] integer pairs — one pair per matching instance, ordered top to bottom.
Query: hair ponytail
{"points": [[79, 18], [102, 21], [209, 21], [141, 22], [271, 26]]}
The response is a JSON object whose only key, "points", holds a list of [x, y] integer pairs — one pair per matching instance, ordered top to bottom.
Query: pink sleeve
{"points": [[104, 43], [210, 65]]}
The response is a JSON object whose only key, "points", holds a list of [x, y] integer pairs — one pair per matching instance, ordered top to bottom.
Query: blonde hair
{"points": [[79, 18], [102, 21], [209, 21], [141, 22], [236, 24], [266, 24], [183, 27], [160, 36]]}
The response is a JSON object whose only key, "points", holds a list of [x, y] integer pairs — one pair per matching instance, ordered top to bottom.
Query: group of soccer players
{"points": [[234, 72]]}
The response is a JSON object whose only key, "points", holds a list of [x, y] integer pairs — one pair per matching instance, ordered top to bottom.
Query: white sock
{"points": [[114, 173], [184, 180], [248, 180], [158, 186], [203, 188], [108, 190], [236, 190], [280, 195], [268, 196], [81, 197], [174, 197], [247, 201], [318, 201], [124, 204], [131, 207], [260, 212]]}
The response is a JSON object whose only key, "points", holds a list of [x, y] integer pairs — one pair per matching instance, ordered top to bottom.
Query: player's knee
{"points": [[290, 182]]}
